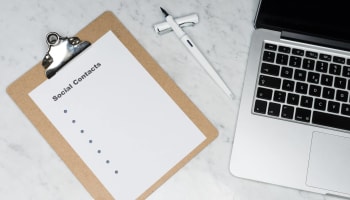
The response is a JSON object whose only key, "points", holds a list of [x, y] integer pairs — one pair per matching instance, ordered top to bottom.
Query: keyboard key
{"points": [[270, 46], [284, 49], [298, 52], [311, 54], [269, 56], [325, 57], [282, 59], [338, 59], [294, 61], [348, 61], [308, 64], [321, 66], [270, 69], [334, 69], [346, 71], [287, 72], [300, 75], [313, 77], [326, 80], [269, 81], [340, 82], [349, 84], [288, 85], [301, 88], [315, 90], [264, 93], [328, 93], [342, 95], [279, 96], [293, 99], [306, 101], [320, 104], [260, 106], [333, 107], [274, 109], [345, 109], [287, 112], [302, 115], [331, 120]]}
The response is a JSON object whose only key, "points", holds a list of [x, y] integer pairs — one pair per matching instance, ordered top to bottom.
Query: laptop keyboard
{"points": [[303, 85]]}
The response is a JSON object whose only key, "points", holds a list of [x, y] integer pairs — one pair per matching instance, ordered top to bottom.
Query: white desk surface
{"points": [[30, 169]]}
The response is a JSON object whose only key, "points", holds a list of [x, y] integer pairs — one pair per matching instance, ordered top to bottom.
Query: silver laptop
{"points": [[293, 127]]}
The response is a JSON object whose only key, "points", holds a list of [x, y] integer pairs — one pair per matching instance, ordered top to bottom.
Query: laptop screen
{"points": [[328, 19]]}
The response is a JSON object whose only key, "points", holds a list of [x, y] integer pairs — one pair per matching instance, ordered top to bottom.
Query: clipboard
{"points": [[20, 89]]}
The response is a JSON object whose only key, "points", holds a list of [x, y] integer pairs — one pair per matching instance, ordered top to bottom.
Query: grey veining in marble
{"points": [[30, 169]]}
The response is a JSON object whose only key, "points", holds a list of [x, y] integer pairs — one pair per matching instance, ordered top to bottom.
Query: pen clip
{"points": [[189, 20], [61, 51]]}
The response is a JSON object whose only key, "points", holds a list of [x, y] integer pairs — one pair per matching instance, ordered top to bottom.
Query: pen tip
{"points": [[164, 11]]}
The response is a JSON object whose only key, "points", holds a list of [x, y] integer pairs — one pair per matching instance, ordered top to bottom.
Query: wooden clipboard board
{"points": [[19, 90]]}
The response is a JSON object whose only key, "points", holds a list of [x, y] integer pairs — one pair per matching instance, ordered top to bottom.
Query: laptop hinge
{"points": [[315, 40]]}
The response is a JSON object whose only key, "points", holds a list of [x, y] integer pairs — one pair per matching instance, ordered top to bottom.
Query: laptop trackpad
{"points": [[329, 164]]}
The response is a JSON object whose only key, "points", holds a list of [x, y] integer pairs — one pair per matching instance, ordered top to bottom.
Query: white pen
{"points": [[196, 53]]}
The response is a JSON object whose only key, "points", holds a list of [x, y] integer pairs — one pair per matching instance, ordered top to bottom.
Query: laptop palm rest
{"points": [[329, 163]]}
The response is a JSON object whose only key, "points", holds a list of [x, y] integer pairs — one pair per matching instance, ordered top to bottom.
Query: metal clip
{"points": [[189, 20], [61, 51]]}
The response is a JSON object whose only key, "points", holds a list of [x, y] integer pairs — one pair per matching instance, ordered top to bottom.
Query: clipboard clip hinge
{"points": [[61, 51]]}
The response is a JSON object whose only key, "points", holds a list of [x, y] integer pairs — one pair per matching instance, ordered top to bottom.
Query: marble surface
{"points": [[30, 169]]}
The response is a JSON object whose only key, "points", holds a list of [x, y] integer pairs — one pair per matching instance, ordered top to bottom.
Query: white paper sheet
{"points": [[117, 118]]}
